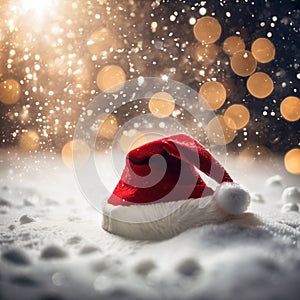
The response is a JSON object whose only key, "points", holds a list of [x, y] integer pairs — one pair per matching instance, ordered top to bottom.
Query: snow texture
{"points": [[53, 247]]}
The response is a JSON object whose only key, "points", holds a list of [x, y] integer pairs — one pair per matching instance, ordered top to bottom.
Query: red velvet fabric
{"points": [[149, 179]]}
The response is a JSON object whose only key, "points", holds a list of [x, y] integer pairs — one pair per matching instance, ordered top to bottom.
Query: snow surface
{"points": [[53, 247]]}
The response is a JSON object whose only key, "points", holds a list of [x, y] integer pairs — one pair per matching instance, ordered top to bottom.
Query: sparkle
{"points": [[52, 53]]}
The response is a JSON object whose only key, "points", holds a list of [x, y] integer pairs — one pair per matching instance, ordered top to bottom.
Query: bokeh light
{"points": [[36, 8], [207, 30], [101, 42], [233, 44], [263, 50], [205, 53], [57, 56], [243, 63], [111, 78], [260, 85], [10, 91], [214, 93], [161, 104], [290, 108], [236, 116], [108, 126], [218, 132], [131, 139], [29, 141], [140, 141], [75, 150], [292, 161]]}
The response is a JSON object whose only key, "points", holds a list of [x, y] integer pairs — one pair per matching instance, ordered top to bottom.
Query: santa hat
{"points": [[161, 193]]}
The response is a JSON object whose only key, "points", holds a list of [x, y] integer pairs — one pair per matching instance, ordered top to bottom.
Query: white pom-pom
{"points": [[232, 198]]}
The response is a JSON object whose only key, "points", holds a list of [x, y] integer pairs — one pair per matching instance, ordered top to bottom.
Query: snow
{"points": [[291, 195], [65, 254]]}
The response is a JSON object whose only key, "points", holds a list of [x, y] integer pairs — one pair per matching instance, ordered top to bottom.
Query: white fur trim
{"points": [[232, 198], [161, 220]]}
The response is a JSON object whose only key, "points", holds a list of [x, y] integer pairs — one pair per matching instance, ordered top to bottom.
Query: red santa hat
{"points": [[161, 192]]}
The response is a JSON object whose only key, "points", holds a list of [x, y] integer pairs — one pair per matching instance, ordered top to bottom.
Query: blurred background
{"points": [[242, 57]]}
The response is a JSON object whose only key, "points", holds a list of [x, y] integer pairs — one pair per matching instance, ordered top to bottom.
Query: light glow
{"points": [[36, 7]]}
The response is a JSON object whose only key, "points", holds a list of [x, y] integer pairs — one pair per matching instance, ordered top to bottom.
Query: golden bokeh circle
{"points": [[207, 30], [101, 41], [233, 44], [263, 50], [205, 53], [243, 63], [111, 79], [260, 85], [10, 91], [214, 93], [161, 104], [290, 108], [236, 116], [108, 126], [218, 132], [131, 139], [29, 141], [140, 141], [76, 149], [292, 161]]}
